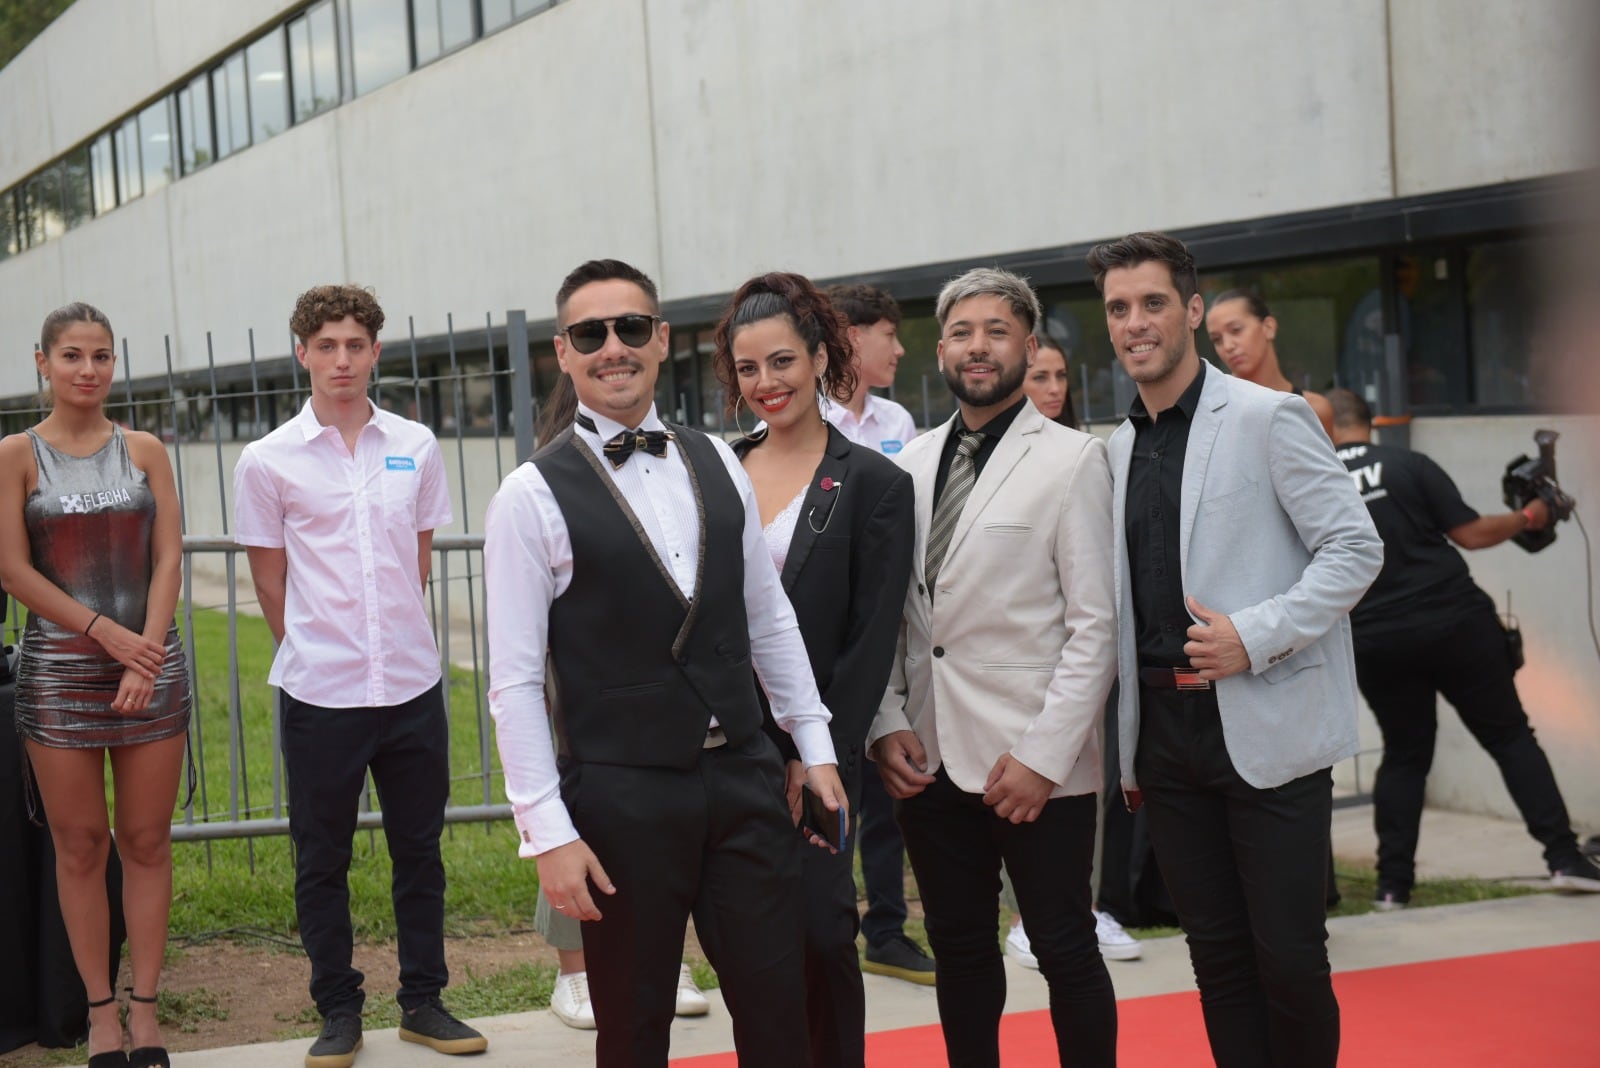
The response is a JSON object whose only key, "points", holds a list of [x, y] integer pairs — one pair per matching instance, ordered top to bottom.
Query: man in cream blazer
{"points": [[1241, 546], [986, 734]]}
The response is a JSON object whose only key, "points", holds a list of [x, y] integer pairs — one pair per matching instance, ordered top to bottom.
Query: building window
{"points": [[497, 13], [439, 26], [380, 42], [314, 61], [269, 89], [232, 106], [195, 145], [156, 147], [103, 174], [130, 181], [77, 197], [10, 239], [1503, 310], [1431, 322]]}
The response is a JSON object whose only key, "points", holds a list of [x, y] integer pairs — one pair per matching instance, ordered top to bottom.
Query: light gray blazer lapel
{"points": [[1007, 454], [1197, 458]]}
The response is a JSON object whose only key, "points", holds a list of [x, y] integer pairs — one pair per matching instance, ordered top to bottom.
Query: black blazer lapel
{"points": [[816, 511]]}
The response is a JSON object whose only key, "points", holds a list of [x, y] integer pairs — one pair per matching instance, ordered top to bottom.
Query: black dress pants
{"points": [[1466, 660], [326, 754], [715, 842], [956, 844], [883, 862], [1247, 871], [836, 1007]]}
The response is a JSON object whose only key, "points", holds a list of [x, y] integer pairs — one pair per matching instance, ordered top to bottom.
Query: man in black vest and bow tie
{"points": [[632, 552]]}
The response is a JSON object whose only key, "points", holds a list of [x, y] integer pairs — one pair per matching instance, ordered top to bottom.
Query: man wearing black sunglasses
{"points": [[631, 551]]}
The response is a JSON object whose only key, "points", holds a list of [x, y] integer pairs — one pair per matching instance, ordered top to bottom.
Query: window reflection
{"points": [[497, 13], [440, 25], [379, 42], [314, 61], [269, 90], [232, 106], [194, 126], [155, 130], [103, 174], [130, 183], [77, 204], [10, 241], [1503, 309]]}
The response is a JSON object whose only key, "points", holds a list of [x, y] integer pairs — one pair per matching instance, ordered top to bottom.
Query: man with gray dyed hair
{"points": [[987, 732]]}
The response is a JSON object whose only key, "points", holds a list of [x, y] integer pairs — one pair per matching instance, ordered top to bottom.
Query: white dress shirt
{"points": [[884, 425], [527, 563], [355, 622]]}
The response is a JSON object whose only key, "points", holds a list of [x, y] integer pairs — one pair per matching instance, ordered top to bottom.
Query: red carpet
{"points": [[1500, 1010]]}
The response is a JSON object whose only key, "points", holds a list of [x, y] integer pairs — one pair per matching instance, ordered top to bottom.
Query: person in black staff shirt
{"points": [[1425, 628]]}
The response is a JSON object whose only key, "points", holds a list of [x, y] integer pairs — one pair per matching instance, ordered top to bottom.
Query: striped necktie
{"points": [[957, 486]]}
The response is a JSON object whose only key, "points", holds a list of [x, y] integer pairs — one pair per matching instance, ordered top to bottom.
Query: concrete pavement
{"points": [[1452, 845]]}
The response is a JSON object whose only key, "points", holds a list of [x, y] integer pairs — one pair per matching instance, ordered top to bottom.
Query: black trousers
{"points": [[1466, 661], [326, 755], [716, 843], [956, 844], [883, 862], [1247, 871], [836, 1007]]}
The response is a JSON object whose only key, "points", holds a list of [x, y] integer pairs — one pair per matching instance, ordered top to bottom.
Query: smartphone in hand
{"points": [[816, 817]]}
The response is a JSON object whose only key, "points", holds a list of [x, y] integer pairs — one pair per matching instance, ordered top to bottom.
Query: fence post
{"points": [[521, 382]]}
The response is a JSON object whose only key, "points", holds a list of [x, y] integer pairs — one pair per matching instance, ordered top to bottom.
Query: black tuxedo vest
{"points": [[639, 669]]}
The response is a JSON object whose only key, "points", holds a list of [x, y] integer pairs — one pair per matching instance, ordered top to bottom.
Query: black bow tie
{"points": [[625, 444]]}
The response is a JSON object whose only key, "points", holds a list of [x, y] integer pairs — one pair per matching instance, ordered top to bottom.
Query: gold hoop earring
{"points": [[746, 435]]}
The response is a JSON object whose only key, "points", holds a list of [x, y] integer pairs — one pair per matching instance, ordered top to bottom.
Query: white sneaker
{"points": [[1115, 943], [1019, 949], [570, 1001], [691, 1002]]}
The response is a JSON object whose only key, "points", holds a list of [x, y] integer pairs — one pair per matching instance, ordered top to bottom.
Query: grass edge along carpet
{"points": [[1496, 1010]]}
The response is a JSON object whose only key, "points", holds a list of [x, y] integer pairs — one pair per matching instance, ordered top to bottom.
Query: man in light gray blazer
{"points": [[1240, 547], [986, 733]]}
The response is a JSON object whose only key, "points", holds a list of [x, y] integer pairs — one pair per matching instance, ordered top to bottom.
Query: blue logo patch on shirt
{"points": [[891, 445], [400, 463]]}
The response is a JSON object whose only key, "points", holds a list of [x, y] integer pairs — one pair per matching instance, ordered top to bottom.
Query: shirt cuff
{"points": [[814, 743], [543, 827]]}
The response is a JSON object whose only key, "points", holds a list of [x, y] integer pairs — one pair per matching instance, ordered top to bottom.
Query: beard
{"points": [[998, 388]]}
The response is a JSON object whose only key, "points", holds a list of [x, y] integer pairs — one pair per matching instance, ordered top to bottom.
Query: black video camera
{"points": [[1526, 480]]}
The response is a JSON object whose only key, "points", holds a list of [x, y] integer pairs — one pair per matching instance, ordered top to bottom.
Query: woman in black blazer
{"points": [[840, 526]]}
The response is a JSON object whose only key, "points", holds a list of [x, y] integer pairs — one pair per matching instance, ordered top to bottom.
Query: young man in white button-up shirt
{"points": [[337, 510], [632, 554]]}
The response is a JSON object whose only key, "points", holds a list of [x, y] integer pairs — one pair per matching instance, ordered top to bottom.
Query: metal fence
{"points": [[477, 390]]}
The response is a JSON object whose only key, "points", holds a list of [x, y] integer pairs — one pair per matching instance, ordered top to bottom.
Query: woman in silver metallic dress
{"points": [[90, 543]]}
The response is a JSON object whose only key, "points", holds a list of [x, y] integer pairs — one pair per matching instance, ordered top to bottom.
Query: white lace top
{"points": [[780, 532]]}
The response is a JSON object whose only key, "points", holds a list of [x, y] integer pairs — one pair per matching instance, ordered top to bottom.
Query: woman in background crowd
{"points": [[1049, 383]]}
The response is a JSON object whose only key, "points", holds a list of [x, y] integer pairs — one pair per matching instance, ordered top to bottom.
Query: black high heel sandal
{"points": [[144, 1056], [112, 1059]]}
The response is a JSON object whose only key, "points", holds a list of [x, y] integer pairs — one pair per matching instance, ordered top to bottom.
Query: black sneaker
{"points": [[1579, 876], [900, 958], [431, 1024], [336, 1046]]}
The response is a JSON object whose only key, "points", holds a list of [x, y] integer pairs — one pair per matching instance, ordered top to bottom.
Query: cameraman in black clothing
{"points": [[1424, 628]]}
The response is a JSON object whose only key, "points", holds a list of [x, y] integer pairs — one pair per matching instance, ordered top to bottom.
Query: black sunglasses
{"points": [[632, 330]]}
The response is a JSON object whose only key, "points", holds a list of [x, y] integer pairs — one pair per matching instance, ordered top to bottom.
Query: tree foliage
{"points": [[22, 20]]}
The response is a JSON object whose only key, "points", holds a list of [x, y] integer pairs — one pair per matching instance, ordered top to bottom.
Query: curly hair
{"points": [[795, 298], [322, 305], [63, 317]]}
